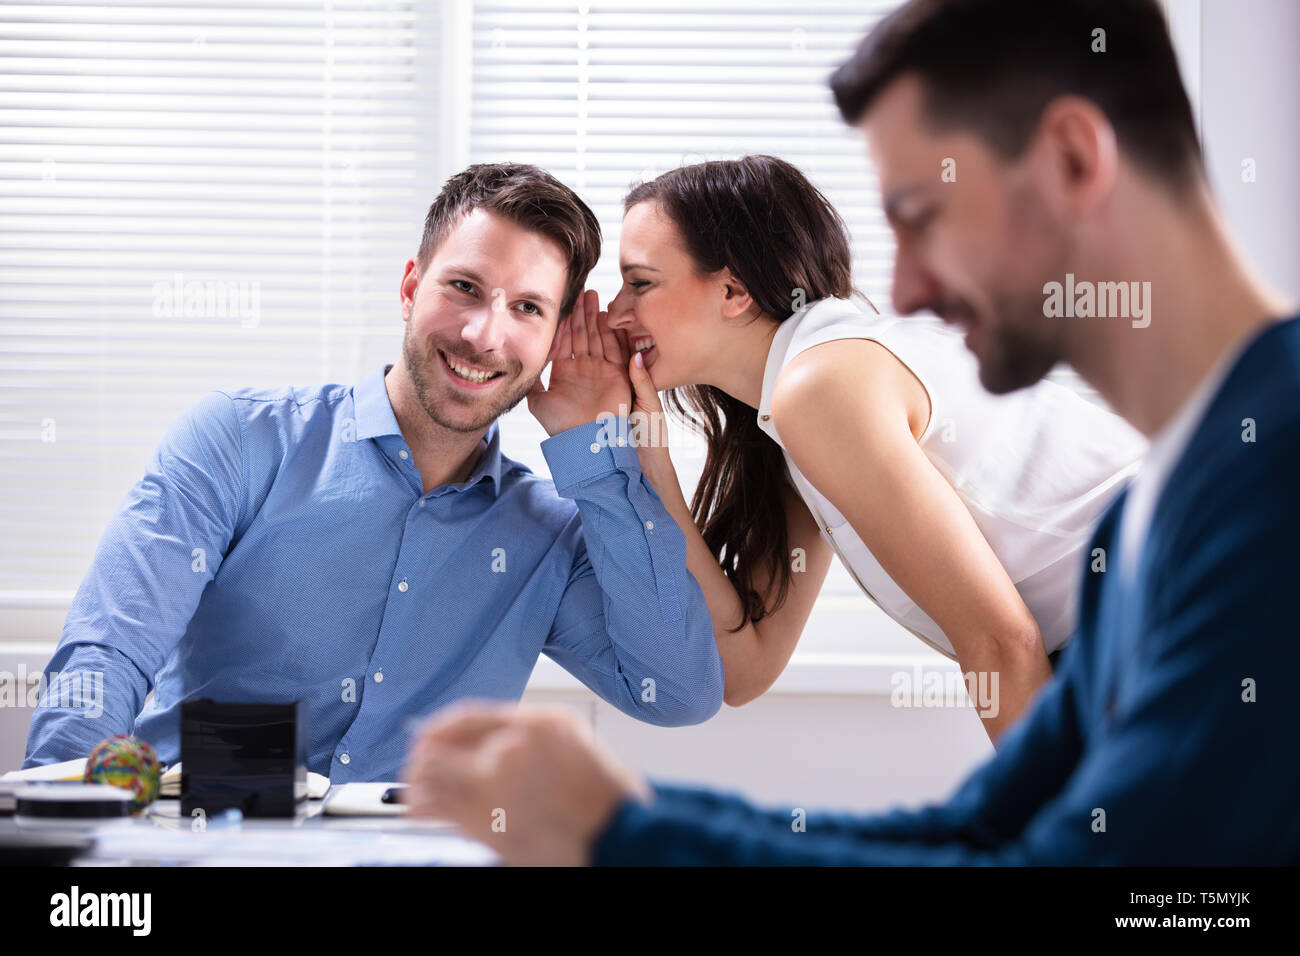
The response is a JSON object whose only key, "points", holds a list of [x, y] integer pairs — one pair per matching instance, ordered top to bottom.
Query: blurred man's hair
{"points": [[991, 66], [529, 197]]}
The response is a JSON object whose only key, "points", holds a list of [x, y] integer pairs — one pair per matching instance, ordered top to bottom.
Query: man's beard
{"points": [[1022, 344], [503, 400]]}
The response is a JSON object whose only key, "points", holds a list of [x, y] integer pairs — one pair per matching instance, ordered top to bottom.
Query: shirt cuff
{"points": [[586, 452], [629, 838], [624, 842]]}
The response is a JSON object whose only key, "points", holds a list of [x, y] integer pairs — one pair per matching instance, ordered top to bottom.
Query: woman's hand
{"points": [[587, 374], [647, 423]]}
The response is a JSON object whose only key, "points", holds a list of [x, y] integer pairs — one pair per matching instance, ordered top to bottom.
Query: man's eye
{"points": [[917, 223], [462, 285]]}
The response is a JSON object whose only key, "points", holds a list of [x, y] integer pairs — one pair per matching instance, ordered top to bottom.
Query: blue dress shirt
{"points": [[281, 547]]}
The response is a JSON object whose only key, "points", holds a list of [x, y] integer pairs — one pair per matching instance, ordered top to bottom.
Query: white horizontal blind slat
{"points": [[192, 195]]}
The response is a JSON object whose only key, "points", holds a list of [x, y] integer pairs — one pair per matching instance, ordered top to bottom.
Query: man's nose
{"points": [[913, 289], [485, 330]]}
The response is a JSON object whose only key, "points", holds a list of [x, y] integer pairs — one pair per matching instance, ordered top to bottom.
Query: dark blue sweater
{"points": [[1171, 732]]}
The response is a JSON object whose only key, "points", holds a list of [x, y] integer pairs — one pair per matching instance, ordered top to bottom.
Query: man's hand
{"points": [[587, 372], [530, 783]]}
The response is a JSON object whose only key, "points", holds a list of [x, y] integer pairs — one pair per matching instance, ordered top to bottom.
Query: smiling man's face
{"points": [[976, 250], [482, 320]]}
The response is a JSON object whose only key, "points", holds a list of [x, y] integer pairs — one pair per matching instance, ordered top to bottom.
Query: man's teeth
{"points": [[469, 374]]}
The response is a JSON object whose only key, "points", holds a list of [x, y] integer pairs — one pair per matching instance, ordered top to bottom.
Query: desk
{"points": [[161, 837]]}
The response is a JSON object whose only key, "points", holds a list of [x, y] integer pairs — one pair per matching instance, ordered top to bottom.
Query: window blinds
{"points": [[608, 94], [192, 195]]}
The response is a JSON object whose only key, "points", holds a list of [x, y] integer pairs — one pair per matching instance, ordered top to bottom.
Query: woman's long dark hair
{"points": [[760, 218]]}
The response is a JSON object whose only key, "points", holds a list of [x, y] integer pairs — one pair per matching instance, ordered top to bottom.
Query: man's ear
{"points": [[1081, 151], [407, 288], [736, 300]]}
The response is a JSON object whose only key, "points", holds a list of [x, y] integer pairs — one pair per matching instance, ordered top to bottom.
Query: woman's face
{"points": [[665, 306]]}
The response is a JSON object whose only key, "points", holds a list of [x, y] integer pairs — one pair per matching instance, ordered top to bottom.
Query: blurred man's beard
{"points": [[1021, 343], [421, 367]]}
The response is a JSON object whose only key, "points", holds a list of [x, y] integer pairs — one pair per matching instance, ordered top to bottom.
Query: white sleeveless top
{"points": [[1035, 467]]}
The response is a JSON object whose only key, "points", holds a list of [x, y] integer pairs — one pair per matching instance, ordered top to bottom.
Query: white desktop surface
{"points": [[160, 836]]}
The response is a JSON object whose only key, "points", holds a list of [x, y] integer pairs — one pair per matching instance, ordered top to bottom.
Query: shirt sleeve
{"points": [[158, 553], [632, 622], [688, 825]]}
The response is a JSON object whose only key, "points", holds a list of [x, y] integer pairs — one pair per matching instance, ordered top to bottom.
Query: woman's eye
{"points": [[639, 283], [534, 310]]}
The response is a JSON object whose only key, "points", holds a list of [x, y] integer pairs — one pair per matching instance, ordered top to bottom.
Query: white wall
{"points": [[1250, 108]]}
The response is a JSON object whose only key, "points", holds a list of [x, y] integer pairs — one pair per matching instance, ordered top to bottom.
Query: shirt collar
{"points": [[373, 409], [375, 419], [1168, 444]]}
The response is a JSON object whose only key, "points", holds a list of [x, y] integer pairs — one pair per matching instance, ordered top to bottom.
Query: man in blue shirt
{"points": [[1024, 148], [371, 551]]}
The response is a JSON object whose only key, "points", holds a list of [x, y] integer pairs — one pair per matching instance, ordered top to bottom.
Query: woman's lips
{"points": [[647, 346]]}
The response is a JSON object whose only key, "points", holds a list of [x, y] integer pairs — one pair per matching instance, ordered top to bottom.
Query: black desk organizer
{"points": [[250, 756]]}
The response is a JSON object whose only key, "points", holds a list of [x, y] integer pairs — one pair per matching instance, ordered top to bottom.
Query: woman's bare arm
{"points": [[847, 414], [754, 656]]}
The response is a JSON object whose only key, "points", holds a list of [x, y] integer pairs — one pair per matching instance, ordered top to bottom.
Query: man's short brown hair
{"points": [[991, 66], [529, 197]]}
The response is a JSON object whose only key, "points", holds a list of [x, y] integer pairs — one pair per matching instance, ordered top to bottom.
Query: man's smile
{"points": [[468, 376]]}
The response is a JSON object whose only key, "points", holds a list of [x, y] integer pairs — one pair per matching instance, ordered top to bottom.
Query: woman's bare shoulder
{"points": [[856, 380]]}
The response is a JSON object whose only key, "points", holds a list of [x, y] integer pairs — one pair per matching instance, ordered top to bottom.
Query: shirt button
{"points": [[765, 418], [595, 447], [404, 454], [421, 502], [649, 525], [402, 585], [379, 677], [344, 759]]}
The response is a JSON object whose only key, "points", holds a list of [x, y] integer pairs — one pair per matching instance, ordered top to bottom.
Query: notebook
{"points": [[317, 784]]}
